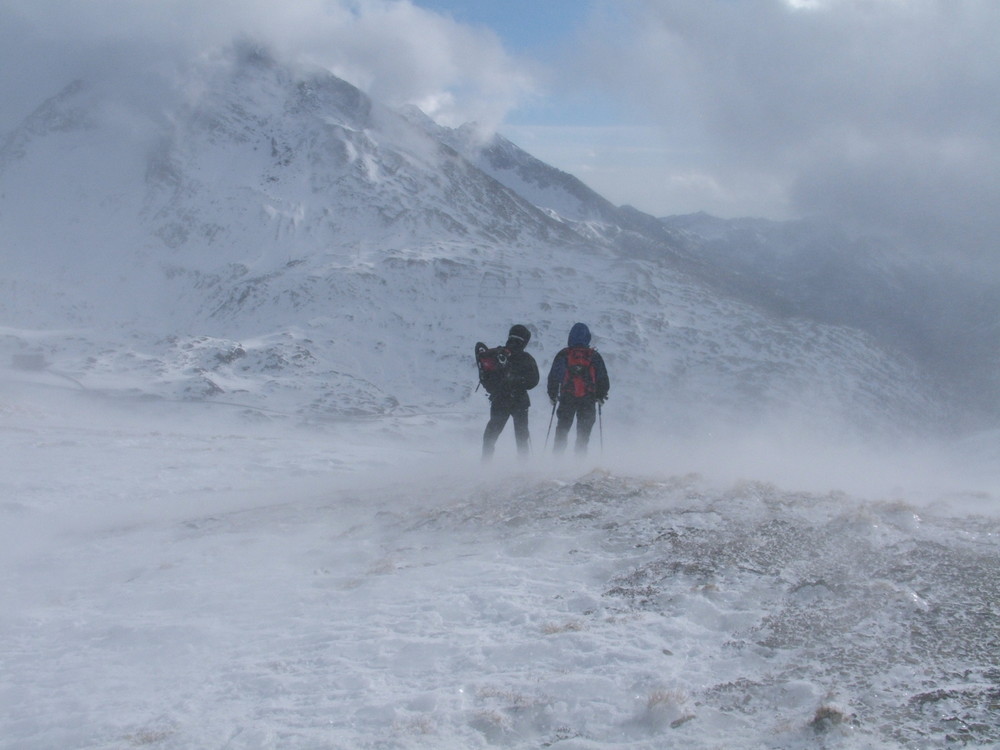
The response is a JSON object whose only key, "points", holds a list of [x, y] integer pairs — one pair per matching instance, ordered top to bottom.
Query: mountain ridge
{"points": [[331, 240]]}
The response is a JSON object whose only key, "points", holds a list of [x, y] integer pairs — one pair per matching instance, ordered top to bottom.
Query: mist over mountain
{"points": [[273, 237], [944, 316]]}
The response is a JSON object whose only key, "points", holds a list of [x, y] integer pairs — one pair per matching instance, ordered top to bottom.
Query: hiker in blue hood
{"points": [[577, 381], [510, 398]]}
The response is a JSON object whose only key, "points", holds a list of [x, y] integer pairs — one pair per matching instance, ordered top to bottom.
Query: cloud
{"points": [[395, 50], [885, 113]]}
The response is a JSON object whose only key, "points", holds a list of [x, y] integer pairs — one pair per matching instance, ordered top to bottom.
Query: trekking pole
{"points": [[600, 424], [550, 425]]}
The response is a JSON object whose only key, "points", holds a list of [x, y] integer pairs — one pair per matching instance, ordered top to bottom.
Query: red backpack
{"points": [[491, 363], [581, 375]]}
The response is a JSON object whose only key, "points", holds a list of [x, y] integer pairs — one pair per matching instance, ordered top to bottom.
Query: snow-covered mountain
{"points": [[276, 238]]}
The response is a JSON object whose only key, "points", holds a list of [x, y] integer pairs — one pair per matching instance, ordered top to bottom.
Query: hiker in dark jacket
{"points": [[577, 381], [511, 398]]}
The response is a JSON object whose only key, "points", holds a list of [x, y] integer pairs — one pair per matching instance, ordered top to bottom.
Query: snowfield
{"points": [[176, 575]]}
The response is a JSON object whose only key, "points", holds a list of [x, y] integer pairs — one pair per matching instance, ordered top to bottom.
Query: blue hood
{"points": [[579, 335]]}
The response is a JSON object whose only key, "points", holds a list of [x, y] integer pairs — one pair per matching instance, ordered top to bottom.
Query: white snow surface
{"points": [[176, 575]]}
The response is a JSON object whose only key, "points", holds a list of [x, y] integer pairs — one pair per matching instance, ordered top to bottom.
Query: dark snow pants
{"points": [[585, 412], [499, 414]]}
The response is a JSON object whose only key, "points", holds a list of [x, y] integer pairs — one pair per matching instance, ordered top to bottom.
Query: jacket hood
{"points": [[579, 335], [518, 337]]}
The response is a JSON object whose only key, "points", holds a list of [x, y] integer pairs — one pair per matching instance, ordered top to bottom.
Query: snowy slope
{"points": [[278, 239], [943, 315], [174, 578]]}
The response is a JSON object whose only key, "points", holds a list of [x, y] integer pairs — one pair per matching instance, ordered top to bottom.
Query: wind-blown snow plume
{"points": [[394, 49], [256, 586]]}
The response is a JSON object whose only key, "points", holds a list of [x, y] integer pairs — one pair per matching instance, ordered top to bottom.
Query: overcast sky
{"points": [[882, 113]]}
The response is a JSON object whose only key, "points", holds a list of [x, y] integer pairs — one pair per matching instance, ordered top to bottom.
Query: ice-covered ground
{"points": [[176, 575]]}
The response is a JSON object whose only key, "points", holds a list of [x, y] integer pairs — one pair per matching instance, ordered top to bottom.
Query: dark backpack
{"points": [[492, 365], [581, 375]]}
